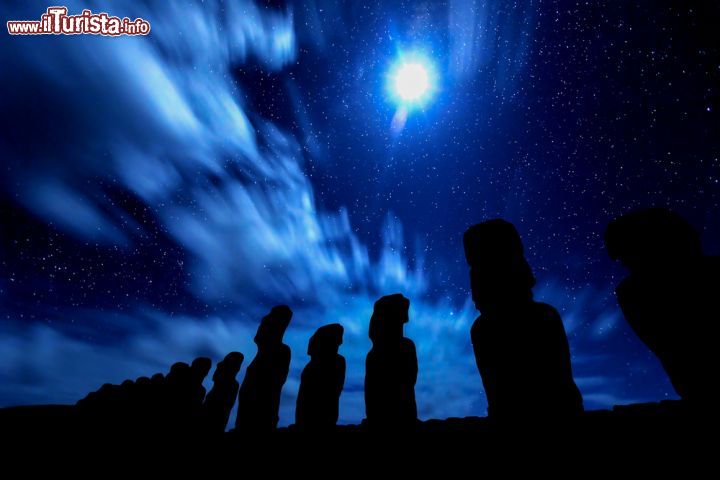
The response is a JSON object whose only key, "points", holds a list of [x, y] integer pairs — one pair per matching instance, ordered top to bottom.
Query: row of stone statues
{"points": [[520, 345], [178, 401]]}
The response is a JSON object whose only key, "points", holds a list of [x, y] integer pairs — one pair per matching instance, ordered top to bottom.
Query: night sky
{"points": [[160, 194]]}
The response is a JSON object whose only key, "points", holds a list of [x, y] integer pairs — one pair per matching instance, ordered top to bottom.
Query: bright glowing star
{"points": [[411, 81]]}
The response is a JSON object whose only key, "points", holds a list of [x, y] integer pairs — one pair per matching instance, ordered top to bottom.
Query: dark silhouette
{"points": [[670, 298], [520, 345], [391, 367], [199, 369], [177, 377], [322, 381], [184, 383], [194, 393], [178, 395], [259, 396], [220, 400], [95, 401], [156, 402], [171, 404], [115, 407], [140, 412]]}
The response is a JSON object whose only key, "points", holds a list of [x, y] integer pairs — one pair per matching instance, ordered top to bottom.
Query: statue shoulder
{"points": [[546, 311], [477, 327], [408, 345]]}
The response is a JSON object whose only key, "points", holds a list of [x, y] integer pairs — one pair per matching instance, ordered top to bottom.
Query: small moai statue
{"points": [[391, 367], [322, 381], [219, 402]]}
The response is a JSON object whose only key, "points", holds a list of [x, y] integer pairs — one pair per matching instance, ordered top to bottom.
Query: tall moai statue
{"points": [[670, 297], [520, 345], [391, 367], [322, 381], [259, 396], [221, 398]]}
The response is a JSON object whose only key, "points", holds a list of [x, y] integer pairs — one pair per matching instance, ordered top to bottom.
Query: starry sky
{"points": [[159, 194]]}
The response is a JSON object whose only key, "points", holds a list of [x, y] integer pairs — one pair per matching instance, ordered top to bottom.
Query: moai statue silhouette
{"points": [[322, 381]]}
